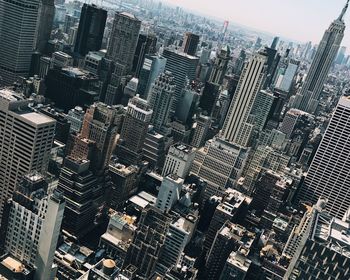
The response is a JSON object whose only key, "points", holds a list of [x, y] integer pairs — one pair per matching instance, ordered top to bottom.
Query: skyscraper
{"points": [[18, 22], [44, 26], [91, 28], [123, 39], [190, 43], [146, 44], [325, 55], [153, 66], [220, 66], [183, 67], [160, 99], [101, 125], [236, 127], [134, 130], [26, 139], [329, 171], [33, 224], [319, 237], [149, 239]]}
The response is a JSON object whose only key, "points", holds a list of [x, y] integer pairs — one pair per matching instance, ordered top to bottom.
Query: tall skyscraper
{"points": [[18, 22], [44, 26], [91, 28], [123, 39], [190, 43], [146, 44], [321, 64], [153, 66], [220, 66], [183, 67], [287, 74], [160, 99], [101, 125], [236, 127], [134, 130], [26, 139], [329, 171], [217, 173], [83, 195], [33, 224], [149, 239]]}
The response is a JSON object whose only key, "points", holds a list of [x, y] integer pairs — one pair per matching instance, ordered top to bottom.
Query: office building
{"points": [[18, 22], [44, 25], [91, 29], [123, 39], [190, 43], [275, 43], [146, 45], [341, 56], [60, 60], [321, 64], [153, 66], [220, 66], [183, 67], [286, 76], [71, 87], [209, 97], [160, 99], [188, 105], [261, 109], [75, 117], [290, 121], [101, 124], [236, 128], [134, 130], [200, 131], [25, 142], [154, 149], [263, 158], [179, 160], [220, 164], [328, 172], [123, 183], [169, 192], [83, 195], [230, 208], [33, 222], [51, 229], [179, 235], [319, 237], [230, 238], [116, 240], [144, 252], [236, 267]]}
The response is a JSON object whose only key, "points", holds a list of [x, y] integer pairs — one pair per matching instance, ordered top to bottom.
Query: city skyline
{"points": [[264, 15]]}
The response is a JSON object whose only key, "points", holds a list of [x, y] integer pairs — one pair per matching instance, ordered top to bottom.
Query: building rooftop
{"points": [[10, 95], [37, 119], [333, 233]]}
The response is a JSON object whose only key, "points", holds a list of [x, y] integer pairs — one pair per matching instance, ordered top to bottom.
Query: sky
{"points": [[301, 20]]}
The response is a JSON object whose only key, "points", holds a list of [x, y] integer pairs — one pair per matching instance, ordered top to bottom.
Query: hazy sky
{"points": [[303, 20]]}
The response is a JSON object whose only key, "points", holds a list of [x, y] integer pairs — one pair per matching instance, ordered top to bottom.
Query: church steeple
{"points": [[344, 10]]}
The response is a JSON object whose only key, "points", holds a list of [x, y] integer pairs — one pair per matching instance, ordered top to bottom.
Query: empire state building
{"points": [[308, 99]]}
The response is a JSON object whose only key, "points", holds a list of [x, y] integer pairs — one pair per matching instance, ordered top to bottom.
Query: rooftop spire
{"points": [[344, 10]]}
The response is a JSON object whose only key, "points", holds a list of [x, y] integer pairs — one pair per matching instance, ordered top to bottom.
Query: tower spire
{"points": [[344, 10]]}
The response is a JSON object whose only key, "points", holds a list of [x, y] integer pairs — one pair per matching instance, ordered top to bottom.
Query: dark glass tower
{"points": [[91, 28]]}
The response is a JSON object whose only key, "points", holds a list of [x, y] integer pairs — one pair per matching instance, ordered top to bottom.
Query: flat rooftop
{"points": [[37, 119]]}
